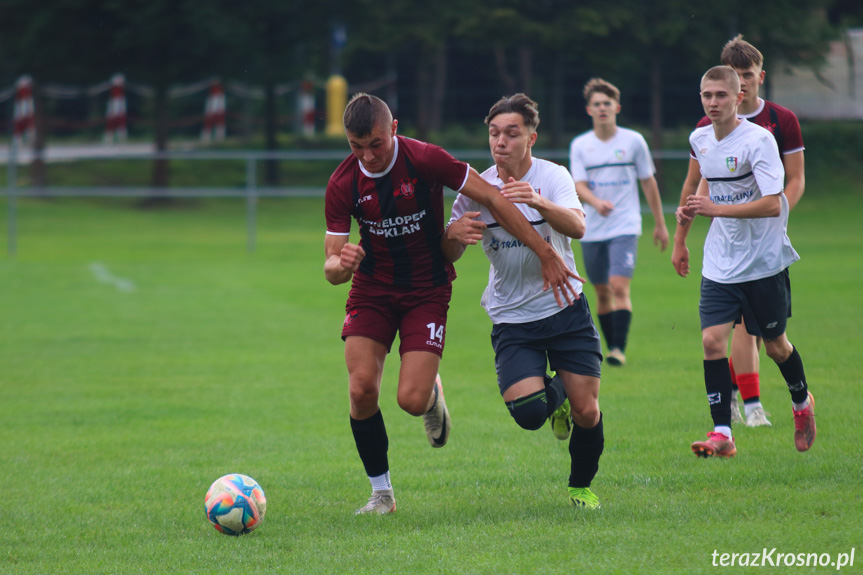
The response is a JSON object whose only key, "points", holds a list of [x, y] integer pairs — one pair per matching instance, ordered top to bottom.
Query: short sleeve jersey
{"points": [[779, 121], [743, 167], [612, 170], [400, 212], [514, 293]]}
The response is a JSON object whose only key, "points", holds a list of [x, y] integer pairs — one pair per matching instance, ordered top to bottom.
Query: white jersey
{"points": [[741, 168], [612, 170], [514, 292]]}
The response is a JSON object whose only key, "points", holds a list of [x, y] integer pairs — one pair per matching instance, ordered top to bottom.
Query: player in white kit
{"points": [[608, 163], [746, 256], [531, 333]]}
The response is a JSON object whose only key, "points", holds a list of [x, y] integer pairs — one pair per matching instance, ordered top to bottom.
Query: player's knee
{"points": [[713, 346], [779, 350], [363, 396], [412, 400], [413, 405], [529, 413], [586, 414]]}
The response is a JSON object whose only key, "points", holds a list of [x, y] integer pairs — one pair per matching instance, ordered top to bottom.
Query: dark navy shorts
{"points": [[614, 257], [765, 304], [567, 341]]}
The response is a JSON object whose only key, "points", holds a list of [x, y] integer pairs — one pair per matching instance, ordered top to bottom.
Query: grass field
{"points": [[143, 354]]}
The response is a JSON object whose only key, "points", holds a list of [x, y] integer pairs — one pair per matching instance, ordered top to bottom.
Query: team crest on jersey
{"points": [[619, 154], [731, 163], [406, 189], [350, 318]]}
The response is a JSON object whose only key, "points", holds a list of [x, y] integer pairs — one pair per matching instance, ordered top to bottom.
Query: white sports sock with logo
{"points": [[381, 482]]}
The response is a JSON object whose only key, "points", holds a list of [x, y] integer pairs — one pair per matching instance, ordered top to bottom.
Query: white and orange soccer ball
{"points": [[235, 504]]}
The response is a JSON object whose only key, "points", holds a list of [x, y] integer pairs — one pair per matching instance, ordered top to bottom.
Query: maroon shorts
{"points": [[379, 311]]}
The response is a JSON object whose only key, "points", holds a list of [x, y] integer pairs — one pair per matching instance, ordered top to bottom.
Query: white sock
{"points": [[800, 406], [750, 407], [724, 430], [381, 482]]}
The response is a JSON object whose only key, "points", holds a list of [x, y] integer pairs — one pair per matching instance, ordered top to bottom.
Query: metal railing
{"points": [[251, 191]]}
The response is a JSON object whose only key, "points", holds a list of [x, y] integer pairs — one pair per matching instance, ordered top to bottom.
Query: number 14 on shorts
{"points": [[436, 334]]}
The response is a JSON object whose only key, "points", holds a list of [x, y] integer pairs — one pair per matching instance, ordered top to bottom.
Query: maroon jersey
{"points": [[779, 121], [400, 213]]}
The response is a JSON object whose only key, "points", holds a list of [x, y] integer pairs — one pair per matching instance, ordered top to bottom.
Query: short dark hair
{"points": [[740, 54], [601, 86], [518, 104], [364, 112]]}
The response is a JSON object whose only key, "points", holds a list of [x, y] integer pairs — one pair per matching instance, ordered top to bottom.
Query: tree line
{"points": [[451, 58]]}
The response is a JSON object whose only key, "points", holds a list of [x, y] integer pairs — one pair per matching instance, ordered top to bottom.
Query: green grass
{"points": [[119, 408]]}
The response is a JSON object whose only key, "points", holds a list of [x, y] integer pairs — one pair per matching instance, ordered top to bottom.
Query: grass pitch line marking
{"points": [[103, 275]]}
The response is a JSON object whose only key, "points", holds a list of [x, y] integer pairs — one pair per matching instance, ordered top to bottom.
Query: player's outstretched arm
{"points": [[566, 221], [463, 232], [342, 258], [555, 274]]}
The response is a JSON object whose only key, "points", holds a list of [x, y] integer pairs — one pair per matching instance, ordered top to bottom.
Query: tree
{"points": [[420, 33], [37, 37], [275, 42]]}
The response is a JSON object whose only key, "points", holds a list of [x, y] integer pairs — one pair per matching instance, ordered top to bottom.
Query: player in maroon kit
{"points": [[747, 61], [393, 187]]}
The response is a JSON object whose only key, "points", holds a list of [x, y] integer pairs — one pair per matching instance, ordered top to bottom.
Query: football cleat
{"points": [[615, 357], [736, 416], [757, 418], [436, 419], [561, 421], [804, 426], [717, 445], [583, 497], [381, 502]]}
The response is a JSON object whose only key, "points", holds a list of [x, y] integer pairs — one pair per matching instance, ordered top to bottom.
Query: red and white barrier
{"points": [[214, 114], [115, 115], [24, 117]]}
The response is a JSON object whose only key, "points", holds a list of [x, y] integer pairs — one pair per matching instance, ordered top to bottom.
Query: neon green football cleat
{"points": [[561, 421], [583, 497]]}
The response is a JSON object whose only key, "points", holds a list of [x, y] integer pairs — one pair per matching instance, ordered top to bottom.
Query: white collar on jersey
{"points": [[756, 112], [390, 167]]}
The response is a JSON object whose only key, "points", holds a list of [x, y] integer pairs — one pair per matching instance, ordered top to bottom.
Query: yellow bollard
{"points": [[337, 100]]}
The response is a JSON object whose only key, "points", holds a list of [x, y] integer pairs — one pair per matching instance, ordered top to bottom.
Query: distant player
{"points": [[747, 61], [607, 164], [393, 187], [746, 256], [531, 332]]}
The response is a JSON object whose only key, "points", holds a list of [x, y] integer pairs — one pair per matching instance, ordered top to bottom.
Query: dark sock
{"points": [[621, 320], [607, 327], [795, 379], [717, 380], [554, 393], [370, 436], [585, 448]]}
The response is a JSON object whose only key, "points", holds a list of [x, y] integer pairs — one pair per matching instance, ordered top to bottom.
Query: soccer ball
{"points": [[235, 504]]}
